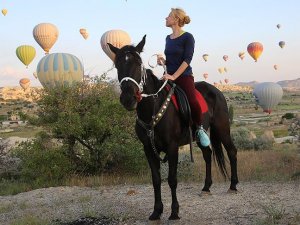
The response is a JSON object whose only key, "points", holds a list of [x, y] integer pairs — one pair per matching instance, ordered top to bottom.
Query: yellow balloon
{"points": [[4, 12], [45, 34], [117, 38], [26, 54]]}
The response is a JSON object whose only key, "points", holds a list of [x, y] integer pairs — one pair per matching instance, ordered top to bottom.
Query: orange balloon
{"points": [[255, 49]]}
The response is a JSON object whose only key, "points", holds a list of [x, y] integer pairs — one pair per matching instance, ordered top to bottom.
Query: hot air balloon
{"points": [[4, 11], [278, 26], [84, 33], [45, 34], [117, 38], [281, 44], [255, 49], [26, 54], [242, 55], [205, 57], [225, 57], [275, 67], [59, 69], [221, 70], [35, 75], [205, 75], [226, 80], [24, 83], [267, 95]]}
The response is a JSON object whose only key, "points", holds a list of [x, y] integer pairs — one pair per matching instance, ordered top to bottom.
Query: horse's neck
{"points": [[149, 106]]}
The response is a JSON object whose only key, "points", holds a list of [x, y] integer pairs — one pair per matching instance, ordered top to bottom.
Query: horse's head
{"points": [[131, 73]]}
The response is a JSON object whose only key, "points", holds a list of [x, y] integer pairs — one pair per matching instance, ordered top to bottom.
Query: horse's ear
{"points": [[140, 46], [113, 48]]}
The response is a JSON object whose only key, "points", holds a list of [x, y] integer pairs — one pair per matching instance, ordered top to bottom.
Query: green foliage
{"points": [[231, 113], [288, 116], [3, 117], [97, 133], [242, 139], [262, 144], [42, 161]]}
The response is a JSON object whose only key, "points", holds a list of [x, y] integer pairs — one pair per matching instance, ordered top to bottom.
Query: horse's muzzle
{"points": [[129, 102]]}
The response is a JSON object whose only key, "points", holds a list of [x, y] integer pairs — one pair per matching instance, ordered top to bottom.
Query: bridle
{"points": [[143, 81], [156, 117]]}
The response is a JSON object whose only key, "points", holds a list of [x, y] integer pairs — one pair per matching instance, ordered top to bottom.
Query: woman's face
{"points": [[171, 20]]}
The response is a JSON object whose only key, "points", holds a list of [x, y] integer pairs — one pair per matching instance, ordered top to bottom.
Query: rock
{"points": [[268, 135]]}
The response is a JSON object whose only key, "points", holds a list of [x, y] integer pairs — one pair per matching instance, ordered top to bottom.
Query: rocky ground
{"points": [[255, 203]]}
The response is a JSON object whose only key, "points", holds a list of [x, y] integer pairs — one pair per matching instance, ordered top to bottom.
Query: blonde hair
{"points": [[181, 15]]}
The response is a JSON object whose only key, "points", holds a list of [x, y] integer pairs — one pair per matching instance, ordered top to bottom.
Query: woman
{"points": [[179, 52]]}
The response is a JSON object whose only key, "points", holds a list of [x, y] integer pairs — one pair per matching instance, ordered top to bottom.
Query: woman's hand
{"points": [[160, 60], [168, 77]]}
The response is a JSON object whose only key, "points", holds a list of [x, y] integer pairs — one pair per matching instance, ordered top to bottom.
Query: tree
{"points": [[96, 131]]}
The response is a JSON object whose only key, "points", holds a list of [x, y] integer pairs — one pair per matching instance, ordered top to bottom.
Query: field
{"points": [[269, 180]]}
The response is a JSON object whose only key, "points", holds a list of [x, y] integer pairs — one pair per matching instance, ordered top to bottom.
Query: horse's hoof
{"points": [[231, 191], [205, 193], [154, 216], [174, 217]]}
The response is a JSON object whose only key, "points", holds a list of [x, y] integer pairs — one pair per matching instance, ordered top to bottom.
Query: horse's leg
{"points": [[222, 129], [206, 152], [232, 155], [154, 164], [172, 180]]}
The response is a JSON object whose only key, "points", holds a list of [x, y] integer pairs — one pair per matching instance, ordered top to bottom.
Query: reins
{"points": [[155, 117]]}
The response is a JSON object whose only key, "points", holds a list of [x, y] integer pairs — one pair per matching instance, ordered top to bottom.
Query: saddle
{"points": [[181, 103]]}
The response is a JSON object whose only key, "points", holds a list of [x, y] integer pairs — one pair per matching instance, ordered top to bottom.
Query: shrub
{"points": [[288, 116], [242, 138], [262, 143], [42, 161]]}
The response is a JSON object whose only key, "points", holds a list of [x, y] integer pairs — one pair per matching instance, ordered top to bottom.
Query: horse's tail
{"points": [[218, 150]]}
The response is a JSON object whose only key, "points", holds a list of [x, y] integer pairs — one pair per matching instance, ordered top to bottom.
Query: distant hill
{"points": [[284, 83], [290, 83]]}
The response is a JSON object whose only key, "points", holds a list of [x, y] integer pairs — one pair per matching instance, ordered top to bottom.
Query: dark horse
{"points": [[139, 89]]}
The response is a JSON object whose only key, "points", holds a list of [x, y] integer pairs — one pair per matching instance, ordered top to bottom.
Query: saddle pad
{"points": [[200, 99]]}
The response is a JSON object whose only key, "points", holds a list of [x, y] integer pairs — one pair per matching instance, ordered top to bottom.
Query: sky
{"points": [[220, 27]]}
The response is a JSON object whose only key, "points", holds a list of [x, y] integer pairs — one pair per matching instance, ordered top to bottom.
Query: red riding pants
{"points": [[186, 83]]}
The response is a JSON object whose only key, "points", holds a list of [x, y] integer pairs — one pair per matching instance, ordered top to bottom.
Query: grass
{"points": [[23, 132], [280, 164], [277, 215], [30, 220]]}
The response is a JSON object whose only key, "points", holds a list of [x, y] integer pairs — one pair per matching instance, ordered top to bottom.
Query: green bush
{"points": [[288, 116], [242, 139], [262, 144], [42, 161]]}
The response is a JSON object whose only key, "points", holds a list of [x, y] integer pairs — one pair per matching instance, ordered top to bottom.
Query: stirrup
{"points": [[202, 137]]}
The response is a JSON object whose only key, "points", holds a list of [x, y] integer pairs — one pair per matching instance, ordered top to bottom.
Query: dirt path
{"points": [[254, 203]]}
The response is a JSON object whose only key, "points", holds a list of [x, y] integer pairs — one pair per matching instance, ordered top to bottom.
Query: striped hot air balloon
{"points": [[45, 34], [117, 38], [255, 49], [26, 54], [59, 69], [24, 83], [267, 95]]}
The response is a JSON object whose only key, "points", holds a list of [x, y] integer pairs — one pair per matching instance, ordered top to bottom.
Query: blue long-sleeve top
{"points": [[178, 50]]}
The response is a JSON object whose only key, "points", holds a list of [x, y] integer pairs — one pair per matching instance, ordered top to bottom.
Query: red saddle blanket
{"points": [[200, 99]]}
